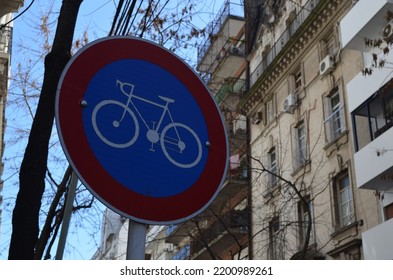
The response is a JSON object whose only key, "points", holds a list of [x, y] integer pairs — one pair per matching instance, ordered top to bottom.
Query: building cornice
{"points": [[322, 16]]}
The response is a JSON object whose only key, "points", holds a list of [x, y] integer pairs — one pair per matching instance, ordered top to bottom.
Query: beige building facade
{"points": [[305, 203]]}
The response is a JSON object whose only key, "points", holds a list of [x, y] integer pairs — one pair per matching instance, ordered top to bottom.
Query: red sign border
{"points": [[149, 210]]}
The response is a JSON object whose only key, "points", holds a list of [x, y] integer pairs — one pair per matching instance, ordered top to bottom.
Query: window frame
{"points": [[329, 45], [296, 81], [270, 111], [334, 113], [369, 121], [300, 144], [272, 167], [341, 191], [388, 211], [275, 239]]}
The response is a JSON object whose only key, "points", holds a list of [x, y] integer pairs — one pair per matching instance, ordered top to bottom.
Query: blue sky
{"points": [[95, 17]]}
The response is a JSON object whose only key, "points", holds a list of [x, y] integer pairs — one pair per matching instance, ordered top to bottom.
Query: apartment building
{"points": [[7, 7], [368, 29], [305, 90], [305, 200], [222, 231], [114, 234], [114, 238]]}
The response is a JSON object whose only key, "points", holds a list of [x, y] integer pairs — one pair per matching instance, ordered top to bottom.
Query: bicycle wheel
{"points": [[115, 127], [181, 145]]}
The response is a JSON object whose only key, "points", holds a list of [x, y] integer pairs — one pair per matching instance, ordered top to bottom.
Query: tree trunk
{"points": [[25, 220]]}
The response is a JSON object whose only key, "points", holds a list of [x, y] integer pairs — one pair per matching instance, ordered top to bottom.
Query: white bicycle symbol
{"points": [[170, 137]]}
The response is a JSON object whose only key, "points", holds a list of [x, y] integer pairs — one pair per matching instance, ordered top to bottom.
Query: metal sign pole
{"points": [[67, 216], [136, 241]]}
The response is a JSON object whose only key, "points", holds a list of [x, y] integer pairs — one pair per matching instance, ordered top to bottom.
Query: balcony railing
{"points": [[229, 8], [5, 39], [281, 42], [232, 85], [237, 167], [233, 221]]}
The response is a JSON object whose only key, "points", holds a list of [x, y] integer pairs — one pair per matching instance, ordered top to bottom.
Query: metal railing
{"points": [[229, 8], [281, 42], [231, 85], [234, 221]]}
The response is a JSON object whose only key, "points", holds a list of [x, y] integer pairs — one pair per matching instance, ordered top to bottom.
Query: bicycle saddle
{"points": [[166, 99]]}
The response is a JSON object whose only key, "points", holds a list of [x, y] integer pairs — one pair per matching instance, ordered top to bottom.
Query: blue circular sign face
{"points": [[145, 128], [141, 130]]}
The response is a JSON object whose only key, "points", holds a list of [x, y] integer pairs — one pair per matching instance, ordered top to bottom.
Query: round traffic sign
{"points": [[141, 130]]}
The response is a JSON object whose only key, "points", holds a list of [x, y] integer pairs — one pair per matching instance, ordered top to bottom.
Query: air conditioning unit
{"points": [[387, 31], [327, 65], [290, 103], [256, 118]]}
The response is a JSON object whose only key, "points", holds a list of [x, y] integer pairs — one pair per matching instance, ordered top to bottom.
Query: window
{"points": [[329, 46], [295, 81], [298, 81], [270, 112], [374, 116], [334, 121], [299, 145], [272, 167], [344, 202], [388, 211], [303, 222], [275, 239]]}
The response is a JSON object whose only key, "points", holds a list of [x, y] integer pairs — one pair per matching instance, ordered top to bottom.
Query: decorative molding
{"points": [[295, 50]]}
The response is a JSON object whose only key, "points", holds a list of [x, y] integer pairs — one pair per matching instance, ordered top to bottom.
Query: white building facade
{"points": [[368, 29]]}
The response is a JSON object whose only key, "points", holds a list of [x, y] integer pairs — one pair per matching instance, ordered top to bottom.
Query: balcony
{"points": [[10, 6], [364, 21], [282, 41], [223, 48], [232, 89], [373, 133], [374, 164], [235, 186], [221, 234], [378, 242]]}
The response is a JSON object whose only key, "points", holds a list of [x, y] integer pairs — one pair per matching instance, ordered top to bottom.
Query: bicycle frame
{"points": [[129, 101], [169, 136]]}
